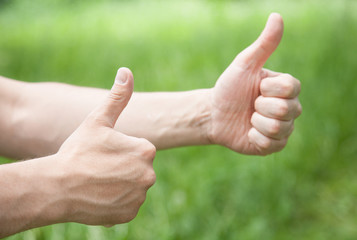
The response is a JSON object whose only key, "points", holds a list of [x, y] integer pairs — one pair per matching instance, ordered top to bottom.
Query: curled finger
{"points": [[281, 86], [278, 108], [271, 127], [263, 144]]}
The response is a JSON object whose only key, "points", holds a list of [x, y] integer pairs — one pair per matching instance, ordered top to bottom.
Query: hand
{"points": [[253, 109], [106, 172]]}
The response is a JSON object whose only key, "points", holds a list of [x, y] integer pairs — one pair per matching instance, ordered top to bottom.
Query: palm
{"points": [[237, 89], [233, 108]]}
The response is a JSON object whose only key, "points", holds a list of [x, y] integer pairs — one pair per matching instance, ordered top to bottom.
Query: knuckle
{"points": [[294, 84], [288, 88], [283, 109], [275, 127], [265, 144], [148, 150], [150, 178]]}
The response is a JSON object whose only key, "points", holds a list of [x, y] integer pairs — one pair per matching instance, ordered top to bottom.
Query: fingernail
{"points": [[121, 77]]}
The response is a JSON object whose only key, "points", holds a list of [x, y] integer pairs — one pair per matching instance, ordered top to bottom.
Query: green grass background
{"points": [[307, 191]]}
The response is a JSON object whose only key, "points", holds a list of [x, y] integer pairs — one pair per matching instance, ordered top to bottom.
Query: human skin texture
{"points": [[253, 109], [250, 110], [99, 173], [99, 176]]}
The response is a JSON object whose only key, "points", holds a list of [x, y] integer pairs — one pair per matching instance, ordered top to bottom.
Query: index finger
{"points": [[281, 86]]}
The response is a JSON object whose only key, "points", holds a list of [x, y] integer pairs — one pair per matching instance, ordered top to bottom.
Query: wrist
{"points": [[204, 116], [169, 119], [193, 122], [46, 191], [35, 197]]}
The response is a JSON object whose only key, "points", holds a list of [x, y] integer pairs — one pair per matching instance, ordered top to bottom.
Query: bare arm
{"points": [[250, 110], [43, 115], [70, 186], [31, 195]]}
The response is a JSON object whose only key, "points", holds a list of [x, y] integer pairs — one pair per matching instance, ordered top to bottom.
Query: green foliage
{"points": [[307, 191]]}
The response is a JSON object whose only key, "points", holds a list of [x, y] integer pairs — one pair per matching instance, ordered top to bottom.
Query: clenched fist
{"points": [[253, 109], [106, 172]]}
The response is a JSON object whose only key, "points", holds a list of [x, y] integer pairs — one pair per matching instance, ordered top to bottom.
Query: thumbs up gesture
{"points": [[253, 109], [106, 173]]}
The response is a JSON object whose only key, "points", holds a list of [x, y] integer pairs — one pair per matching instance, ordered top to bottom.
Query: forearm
{"points": [[45, 114], [168, 119], [98, 176], [30, 196]]}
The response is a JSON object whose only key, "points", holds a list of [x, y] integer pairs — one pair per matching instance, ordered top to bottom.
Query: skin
{"points": [[253, 109], [250, 110], [43, 115], [99, 176]]}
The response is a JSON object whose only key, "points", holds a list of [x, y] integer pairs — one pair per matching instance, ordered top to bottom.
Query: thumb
{"points": [[259, 51], [108, 112]]}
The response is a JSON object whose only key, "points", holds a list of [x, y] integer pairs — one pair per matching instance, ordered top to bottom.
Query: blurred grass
{"points": [[307, 191]]}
